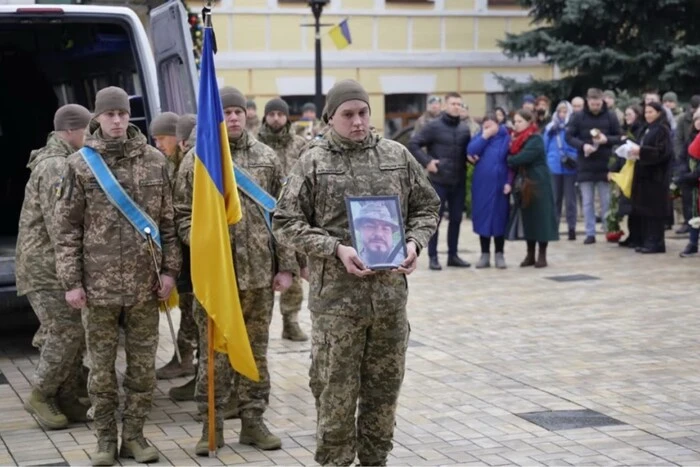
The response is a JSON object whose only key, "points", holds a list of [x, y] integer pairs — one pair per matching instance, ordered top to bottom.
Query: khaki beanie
{"points": [[343, 91], [232, 97], [111, 98], [277, 104], [71, 117], [164, 124], [185, 125]]}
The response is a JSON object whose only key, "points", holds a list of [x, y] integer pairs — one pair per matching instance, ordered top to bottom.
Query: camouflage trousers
{"points": [[291, 299], [187, 334], [140, 345], [61, 359], [357, 364], [252, 397]]}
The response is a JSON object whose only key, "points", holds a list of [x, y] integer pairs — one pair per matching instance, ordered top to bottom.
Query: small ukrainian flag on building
{"points": [[340, 33]]}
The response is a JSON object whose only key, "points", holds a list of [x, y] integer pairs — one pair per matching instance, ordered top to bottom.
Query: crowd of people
{"points": [[532, 164], [103, 242]]}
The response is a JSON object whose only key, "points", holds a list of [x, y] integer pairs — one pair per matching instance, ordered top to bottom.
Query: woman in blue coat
{"points": [[561, 159], [490, 188]]}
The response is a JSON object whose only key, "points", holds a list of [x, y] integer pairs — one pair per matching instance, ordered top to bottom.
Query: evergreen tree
{"points": [[617, 44]]}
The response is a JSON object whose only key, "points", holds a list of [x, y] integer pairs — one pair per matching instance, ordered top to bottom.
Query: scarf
{"points": [[519, 139]]}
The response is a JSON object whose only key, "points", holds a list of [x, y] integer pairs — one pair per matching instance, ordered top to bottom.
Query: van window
{"points": [[173, 78]]}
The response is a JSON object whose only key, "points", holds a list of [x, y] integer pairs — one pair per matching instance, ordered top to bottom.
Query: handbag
{"points": [[523, 189]]}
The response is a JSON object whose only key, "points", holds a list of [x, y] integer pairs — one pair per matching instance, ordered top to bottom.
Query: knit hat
{"points": [[341, 92], [609, 93], [232, 97], [670, 97], [111, 98], [528, 99], [434, 100], [250, 104], [277, 104], [309, 106], [71, 117], [164, 124], [185, 125]]}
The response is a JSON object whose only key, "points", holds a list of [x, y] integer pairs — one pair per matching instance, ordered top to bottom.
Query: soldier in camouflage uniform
{"points": [[433, 112], [252, 123], [308, 126], [164, 132], [275, 132], [256, 261], [106, 267], [359, 325], [53, 399]]}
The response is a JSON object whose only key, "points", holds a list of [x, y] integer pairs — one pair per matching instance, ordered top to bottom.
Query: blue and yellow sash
{"points": [[252, 190], [118, 197]]}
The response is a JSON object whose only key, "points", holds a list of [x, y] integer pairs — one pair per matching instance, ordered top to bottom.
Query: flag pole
{"points": [[211, 403]]}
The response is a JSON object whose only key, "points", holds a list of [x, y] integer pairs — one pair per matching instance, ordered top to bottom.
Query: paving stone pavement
{"points": [[485, 345]]}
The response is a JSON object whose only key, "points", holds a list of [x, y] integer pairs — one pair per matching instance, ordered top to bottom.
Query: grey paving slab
{"points": [[485, 346]]}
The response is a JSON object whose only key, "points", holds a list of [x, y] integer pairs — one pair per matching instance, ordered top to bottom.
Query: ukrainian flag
{"points": [[340, 33], [215, 206]]}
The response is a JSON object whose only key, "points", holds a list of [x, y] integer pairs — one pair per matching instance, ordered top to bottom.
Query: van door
{"points": [[174, 57]]}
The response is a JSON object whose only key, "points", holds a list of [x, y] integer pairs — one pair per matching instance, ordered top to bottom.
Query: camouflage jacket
{"points": [[422, 121], [252, 125], [307, 130], [286, 145], [174, 164], [311, 216], [96, 246], [256, 258], [35, 260]]}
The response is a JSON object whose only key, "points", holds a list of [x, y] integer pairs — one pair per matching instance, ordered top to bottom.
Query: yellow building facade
{"points": [[401, 51]]}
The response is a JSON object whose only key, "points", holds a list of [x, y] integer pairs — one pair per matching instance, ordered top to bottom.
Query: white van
{"points": [[51, 55]]}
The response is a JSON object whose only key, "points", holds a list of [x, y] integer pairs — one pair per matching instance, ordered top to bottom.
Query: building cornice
{"points": [[229, 10], [346, 59]]}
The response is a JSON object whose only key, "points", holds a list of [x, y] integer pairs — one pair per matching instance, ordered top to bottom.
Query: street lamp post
{"points": [[317, 9]]}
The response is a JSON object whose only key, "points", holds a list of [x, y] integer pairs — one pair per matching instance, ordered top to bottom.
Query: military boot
{"points": [[291, 331], [175, 369], [184, 392], [74, 410], [45, 411], [230, 412], [254, 432], [134, 445], [202, 447], [106, 452]]}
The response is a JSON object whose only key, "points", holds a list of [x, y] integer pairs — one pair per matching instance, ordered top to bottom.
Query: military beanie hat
{"points": [[341, 92], [232, 97], [111, 98], [277, 104], [71, 117], [165, 124], [185, 125]]}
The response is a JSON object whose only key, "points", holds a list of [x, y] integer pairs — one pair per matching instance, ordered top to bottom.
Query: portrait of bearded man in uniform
{"points": [[378, 233]]}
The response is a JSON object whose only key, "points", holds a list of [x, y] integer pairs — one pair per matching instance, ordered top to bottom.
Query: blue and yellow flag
{"points": [[340, 33], [215, 206]]}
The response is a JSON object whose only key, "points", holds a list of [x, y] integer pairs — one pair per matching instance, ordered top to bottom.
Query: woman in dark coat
{"points": [[632, 131], [488, 151], [650, 186], [534, 196]]}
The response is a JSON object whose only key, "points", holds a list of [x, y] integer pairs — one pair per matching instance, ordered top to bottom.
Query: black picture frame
{"points": [[382, 212]]}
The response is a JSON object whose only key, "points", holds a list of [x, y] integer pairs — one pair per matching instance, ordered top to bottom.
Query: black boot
{"points": [[572, 234], [689, 251], [542, 257], [530, 258], [457, 262], [435, 264]]}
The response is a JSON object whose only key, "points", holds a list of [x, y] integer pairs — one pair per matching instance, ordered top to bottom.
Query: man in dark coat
{"points": [[593, 132], [681, 139], [446, 140]]}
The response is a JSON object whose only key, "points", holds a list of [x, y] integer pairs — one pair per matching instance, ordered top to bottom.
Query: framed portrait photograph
{"points": [[377, 230]]}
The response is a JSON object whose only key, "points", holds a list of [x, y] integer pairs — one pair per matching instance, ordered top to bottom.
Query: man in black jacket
{"points": [[684, 127], [593, 132], [446, 140]]}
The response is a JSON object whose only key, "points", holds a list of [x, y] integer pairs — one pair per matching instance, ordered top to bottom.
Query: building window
{"points": [[497, 99], [401, 111]]}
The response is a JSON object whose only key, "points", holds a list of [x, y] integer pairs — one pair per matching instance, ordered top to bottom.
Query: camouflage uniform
{"points": [[422, 121], [252, 125], [307, 130], [288, 147], [99, 250], [255, 264], [360, 328], [61, 336]]}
